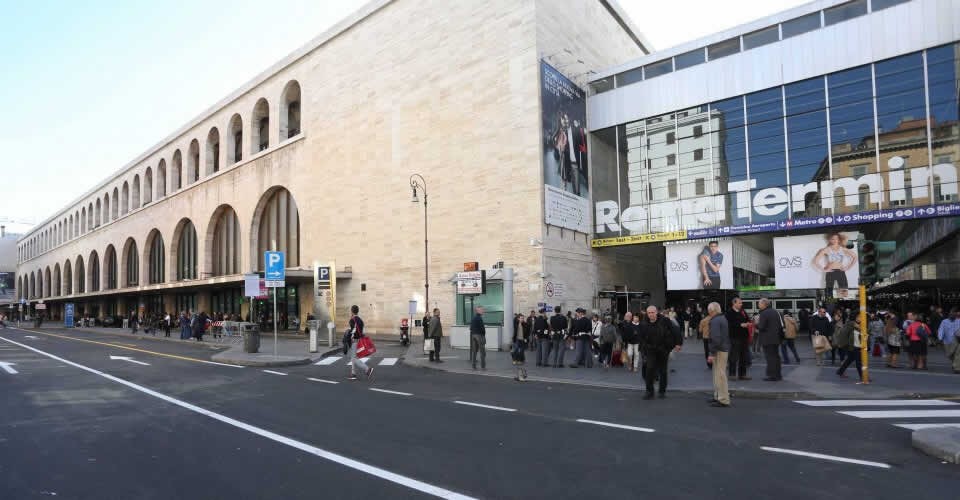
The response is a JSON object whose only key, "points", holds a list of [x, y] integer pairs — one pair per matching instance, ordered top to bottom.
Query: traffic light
{"points": [[868, 262]]}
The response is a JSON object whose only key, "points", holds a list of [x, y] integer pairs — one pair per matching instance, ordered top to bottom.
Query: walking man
{"points": [[738, 322], [769, 328], [541, 330], [558, 330], [356, 333], [435, 334], [949, 335], [789, 337], [659, 338], [844, 339], [478, 340], [719, 347]]}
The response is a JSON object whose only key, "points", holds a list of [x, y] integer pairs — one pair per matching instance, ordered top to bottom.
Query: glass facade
{"points": [[876, 138]]}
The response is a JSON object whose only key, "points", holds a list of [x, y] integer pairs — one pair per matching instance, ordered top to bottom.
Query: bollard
{"points": [[314, 326], [330, 326]]}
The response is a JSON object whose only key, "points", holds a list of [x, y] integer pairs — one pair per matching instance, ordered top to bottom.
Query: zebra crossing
{"points": [[332, 360], [912, 414]]}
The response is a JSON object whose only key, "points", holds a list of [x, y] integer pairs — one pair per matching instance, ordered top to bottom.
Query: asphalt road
{"points": [[78, 424]]}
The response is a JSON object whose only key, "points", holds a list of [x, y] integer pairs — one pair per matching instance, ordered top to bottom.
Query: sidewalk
{"points": [[689, 373]]}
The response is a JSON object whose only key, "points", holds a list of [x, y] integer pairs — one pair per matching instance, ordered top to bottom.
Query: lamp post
{"points": [[417, 183]]}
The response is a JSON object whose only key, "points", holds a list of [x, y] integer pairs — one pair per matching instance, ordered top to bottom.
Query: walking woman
{"points": [[185, 325], [891, 333]]}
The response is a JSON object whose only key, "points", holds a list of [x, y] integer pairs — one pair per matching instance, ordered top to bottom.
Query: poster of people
{"points": [[564, 135], [817, 261], [700, 265]]}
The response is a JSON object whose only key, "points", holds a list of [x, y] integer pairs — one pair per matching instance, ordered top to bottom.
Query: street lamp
{"points": [[417, 183]]}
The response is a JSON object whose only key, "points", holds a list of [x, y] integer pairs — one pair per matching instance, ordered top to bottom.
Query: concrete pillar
{"points": [[508, 311]]}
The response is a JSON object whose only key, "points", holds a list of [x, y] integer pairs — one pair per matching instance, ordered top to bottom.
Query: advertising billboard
{"points": [[565, 167], [826, 260], [702, 265]]}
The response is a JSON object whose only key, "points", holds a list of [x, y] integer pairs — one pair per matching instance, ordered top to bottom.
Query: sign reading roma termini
{"points": [[744, 209]]}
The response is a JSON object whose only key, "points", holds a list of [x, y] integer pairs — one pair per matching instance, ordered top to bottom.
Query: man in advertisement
{"points": [[710, 261]]}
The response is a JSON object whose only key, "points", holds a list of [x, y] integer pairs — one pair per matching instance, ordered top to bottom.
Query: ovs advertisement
{"points": [[564, 135], [817, 261], [700, 265]]}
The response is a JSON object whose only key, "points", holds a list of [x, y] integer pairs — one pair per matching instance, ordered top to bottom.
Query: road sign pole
{"points": [[274, 321], [864, 343]]}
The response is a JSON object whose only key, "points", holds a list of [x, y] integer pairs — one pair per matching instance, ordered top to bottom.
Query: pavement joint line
{"points": [[118, 346], [273, 372], [322, 380], [398, 393], [489, 407], [616, 426], [826, 457], [357, 465]]}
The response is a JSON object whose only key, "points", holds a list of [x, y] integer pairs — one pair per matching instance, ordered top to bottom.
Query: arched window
{"points": [[290, 111], [260, 127], [235, 140], [213, 151], [193, 162], [176, 172], [162, 179], [148, 186], [135, 193], [125, 199], [116, 204], [106, 208], [90, 217], [96, 218], [83, 220], [277, 220], [76, 222], [70, 228], [225, 238], [186, 251], [157, 258], [131, 263], [94, 264], [110, 271], [81, 276], [67, 278], [46, 282], [39, 283], [57, 283], [33, 286]]}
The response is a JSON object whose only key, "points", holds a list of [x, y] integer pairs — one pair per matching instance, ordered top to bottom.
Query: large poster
{"points": [[564, 134], [825, 260], [700, 265]]}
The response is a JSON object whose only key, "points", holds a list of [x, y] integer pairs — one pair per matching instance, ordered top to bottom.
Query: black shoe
{"points": [[438, 361], [574, 366], [474, 367], [771, 379], [648, 395], [663, 395], [711, 400], [717, 404]]}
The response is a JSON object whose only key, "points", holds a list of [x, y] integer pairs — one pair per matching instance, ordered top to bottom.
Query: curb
{"points": [[942, 443]]}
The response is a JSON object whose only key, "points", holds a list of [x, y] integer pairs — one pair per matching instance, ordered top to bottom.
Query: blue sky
{"points": [[86, 86]]}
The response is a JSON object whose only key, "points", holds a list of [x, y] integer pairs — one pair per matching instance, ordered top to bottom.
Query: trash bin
{"points": [[251, 338]]}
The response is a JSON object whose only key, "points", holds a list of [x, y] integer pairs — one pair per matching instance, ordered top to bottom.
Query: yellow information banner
{"points": [[639, 238]]}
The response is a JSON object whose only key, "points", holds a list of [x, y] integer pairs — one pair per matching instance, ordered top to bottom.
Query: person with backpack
{"points": [[356, 333], [918, 333], [658, 337]]}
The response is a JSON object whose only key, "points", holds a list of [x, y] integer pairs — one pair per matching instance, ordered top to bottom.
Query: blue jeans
{"points": [[783, 350]]}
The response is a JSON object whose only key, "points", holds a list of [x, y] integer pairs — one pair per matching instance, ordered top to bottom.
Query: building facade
{"points": [[314, 156]]}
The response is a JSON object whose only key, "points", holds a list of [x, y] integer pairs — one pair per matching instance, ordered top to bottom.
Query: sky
{"points": [[86, 86]]}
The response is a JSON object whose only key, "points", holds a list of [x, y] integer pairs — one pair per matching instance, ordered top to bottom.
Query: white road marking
{"points": [[30, 336], [129, 360], [328, 361], [389, 361], [218, 364], [8, 367], [273, 372], [322, 380], [398, 393], [879, 402], [478, 405], [902, 413], [617, 426], [915, 427], [313, 450], [826, 457]]}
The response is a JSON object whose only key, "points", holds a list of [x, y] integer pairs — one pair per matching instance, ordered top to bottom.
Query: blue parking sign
{"points": [[275, 273]]}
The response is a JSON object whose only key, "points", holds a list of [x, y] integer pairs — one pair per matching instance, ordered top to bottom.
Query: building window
{"points": [[883, 4], [844, 12], [801, 25], [761, 37], [724, 48], [687, 59], [657, 69], [628, 77], [290, 111], [261, 126], [698, 131], [671, 138], [235, 140], [213, 151], [697, 154], [671, 159], [193, 162], [701, 186], [672, 188], [277, 221], [226, 242], [187, 252], [111, 262], [133, 264], [157, 266], [94, 272]]}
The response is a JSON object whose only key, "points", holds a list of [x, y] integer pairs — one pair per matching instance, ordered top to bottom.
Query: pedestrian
{"points": [[695, 316], [3, 321], [133, 322], [184, 322], [529, 322], [838, 322], [738, 323], [166, 324], [596, 325], [820, 325], [199, 326], [875, 328], [790, 329], [541, 331], [580, 331], [770, 331], [558, 332], [703, 333], [918, 333], [355, 334], [435, 335], [631, 336], [949, 336], [608, 337], [659, 337], [719, 338], [894, 338], [478, 339], [845, 340], [518, 345]]}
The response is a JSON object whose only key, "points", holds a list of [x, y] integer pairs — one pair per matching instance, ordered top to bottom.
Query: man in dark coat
{"points": [[738, 322], [770, 329], [658, 336]]}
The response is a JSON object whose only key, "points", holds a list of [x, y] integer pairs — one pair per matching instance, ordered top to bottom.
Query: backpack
{"points": [[922, 331]]}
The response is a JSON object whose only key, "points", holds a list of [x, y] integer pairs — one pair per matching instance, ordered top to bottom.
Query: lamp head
{"points": [[414, 199]]}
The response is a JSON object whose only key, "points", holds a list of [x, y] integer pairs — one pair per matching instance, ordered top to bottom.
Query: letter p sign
{"points": [[275, 272]]}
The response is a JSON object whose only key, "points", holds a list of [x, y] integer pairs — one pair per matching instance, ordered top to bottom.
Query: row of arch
{"points": [[129, 196], [276, 223]]}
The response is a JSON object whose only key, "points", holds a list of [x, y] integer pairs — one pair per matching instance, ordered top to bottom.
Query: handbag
{"points": [[856, 339], [821, 343], [428, 345], [365, 347], [877, 351], [624, 358]]}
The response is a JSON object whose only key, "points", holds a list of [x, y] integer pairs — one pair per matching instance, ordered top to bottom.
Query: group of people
{"points": [[192, 324]]}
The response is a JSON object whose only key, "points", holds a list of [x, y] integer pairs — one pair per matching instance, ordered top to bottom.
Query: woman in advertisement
{"points": [[834, 260]]}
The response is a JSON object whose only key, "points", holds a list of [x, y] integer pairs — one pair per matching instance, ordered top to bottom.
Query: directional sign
{"points": [[275, 272], [129, 359], [8, 367]]}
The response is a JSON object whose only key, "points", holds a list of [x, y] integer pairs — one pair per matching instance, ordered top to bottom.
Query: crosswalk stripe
{"points": [[328, 361], [389, 361], [879, 402], [902, 413], [914, 427]]}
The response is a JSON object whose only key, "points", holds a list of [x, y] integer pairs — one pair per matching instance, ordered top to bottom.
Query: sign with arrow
{"points": [[130, 360], [8, 367]]}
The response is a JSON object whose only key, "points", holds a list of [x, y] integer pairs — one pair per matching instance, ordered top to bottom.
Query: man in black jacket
{"points": [[738, 322], [820, 324], [769, 329], [541, 330], [558, 331], [581, 331], [658, 336], [478, 340]]}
